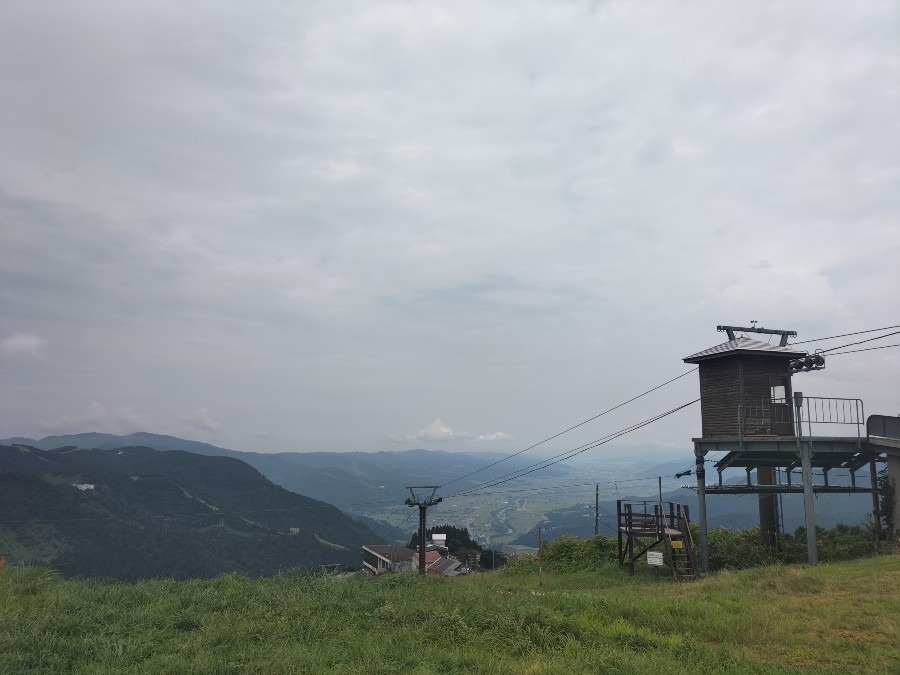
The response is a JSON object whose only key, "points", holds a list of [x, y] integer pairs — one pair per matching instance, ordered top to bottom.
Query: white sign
{"points": [[655, 558]]}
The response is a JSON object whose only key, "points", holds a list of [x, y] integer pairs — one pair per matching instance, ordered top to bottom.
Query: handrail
{"points": [[825, 410], [765, 416]]}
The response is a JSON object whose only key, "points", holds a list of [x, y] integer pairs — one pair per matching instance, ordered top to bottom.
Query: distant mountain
{"points": [[111, 441], [352, 481], [136, 512]]}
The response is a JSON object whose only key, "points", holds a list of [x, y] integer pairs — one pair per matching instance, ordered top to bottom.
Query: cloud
{"points": [[403, 207], [808, 292], [23, 344], [97, 417], [201, 419], [436, 431], [439, 431], [497, 436]]}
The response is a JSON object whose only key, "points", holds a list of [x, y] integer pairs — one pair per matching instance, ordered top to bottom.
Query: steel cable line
{"points": [[832, 337], [851, 344], [866, 349], [580, 424], [590, 446], [569, 453], [567, 485], [399, 525]]}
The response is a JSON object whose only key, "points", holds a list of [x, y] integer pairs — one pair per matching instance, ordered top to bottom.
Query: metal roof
{"points": [[743, 345], [391, 553], [445, 566]]}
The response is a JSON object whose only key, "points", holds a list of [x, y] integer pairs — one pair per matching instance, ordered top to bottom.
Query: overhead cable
{"points": [[832, 337], [850, 344], [865, 349], [580, 424], [570, 453], [650, 479]]}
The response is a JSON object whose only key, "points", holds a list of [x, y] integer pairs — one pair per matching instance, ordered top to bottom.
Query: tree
{"points": [[459, 542]]}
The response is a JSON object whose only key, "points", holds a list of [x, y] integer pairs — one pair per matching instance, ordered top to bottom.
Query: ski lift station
{"points": [[754, 418]]}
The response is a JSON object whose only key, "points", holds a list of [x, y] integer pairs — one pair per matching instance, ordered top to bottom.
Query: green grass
{"points": [[839, 617]]}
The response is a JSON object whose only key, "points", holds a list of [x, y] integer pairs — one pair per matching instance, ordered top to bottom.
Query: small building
{"points": [[745, 388], [381, 558], [438, 561]]}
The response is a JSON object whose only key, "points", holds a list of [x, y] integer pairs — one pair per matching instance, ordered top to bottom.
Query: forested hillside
{"points": [[344, 479], [135, 512]]}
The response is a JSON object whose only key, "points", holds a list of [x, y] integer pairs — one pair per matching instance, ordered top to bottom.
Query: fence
{"points": [[775, 417]]}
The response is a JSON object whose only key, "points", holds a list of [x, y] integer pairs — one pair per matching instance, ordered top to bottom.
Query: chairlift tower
{"points": [[751, 413], [423, 497]]}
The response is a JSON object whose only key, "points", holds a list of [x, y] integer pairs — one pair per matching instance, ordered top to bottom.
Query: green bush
{"points": [[728, 549], [737, 549], [740, 549], [568, 554]]}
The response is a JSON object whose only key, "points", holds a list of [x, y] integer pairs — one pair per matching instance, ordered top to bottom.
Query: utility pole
{"points": [[422, 498], [597, 510]]}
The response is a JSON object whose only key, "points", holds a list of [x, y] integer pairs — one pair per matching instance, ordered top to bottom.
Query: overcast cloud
{"points": [[322, 225]]}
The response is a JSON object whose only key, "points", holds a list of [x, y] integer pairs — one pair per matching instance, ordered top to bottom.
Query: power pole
{"points": [[422, 498], [597, 510]]}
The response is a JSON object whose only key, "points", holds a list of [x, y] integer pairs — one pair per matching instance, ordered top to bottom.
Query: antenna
{"points": [[423, 497]]}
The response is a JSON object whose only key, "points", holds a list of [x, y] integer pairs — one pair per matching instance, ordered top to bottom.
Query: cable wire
{"points": [[860, 332], [850, 344], [865, 349], [580, 424], [570, 453], [593, 483]]}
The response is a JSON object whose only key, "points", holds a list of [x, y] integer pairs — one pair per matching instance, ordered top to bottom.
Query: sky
{"points": [[341, 226]]}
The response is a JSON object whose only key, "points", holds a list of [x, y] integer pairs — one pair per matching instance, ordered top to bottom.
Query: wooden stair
{"points": [[643, 526], [680, 548]]}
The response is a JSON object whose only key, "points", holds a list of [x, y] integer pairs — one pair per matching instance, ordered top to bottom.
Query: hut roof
{"points": [[743, 345]]}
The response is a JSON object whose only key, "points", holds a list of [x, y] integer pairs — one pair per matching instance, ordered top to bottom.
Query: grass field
{"points": [[839, 618]]}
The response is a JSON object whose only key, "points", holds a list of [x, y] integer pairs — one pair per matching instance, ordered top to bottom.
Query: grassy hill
{"points": [[143, 513], [834, 618]]}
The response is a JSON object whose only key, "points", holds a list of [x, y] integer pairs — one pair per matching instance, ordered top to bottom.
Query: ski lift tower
{"points": [[751, 413], [423, 497]]}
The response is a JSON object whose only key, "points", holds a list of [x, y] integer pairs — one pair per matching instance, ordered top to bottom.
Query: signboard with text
{"points": [[655, 558]]}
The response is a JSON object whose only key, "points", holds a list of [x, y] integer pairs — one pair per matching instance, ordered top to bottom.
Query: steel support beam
{"points": [[701, 504], [809, 507]]}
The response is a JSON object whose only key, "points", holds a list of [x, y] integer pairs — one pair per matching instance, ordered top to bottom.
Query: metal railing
{"points": [[821, 410], [766, 417], [775, 417]]}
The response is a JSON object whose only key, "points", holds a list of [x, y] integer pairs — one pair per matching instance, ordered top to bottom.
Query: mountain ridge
{"points": [[344, 479], [134, 512]]}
